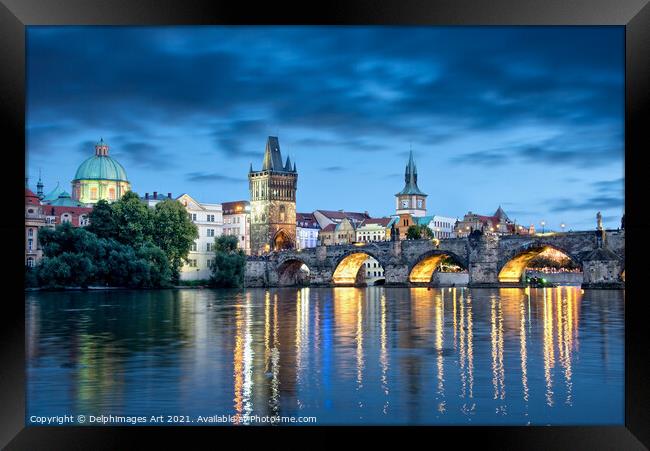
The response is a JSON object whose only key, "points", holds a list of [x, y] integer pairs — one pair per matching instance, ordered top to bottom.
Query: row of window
{"points": [[208, 218], [232, 220], [442, 224], [374, 274]]}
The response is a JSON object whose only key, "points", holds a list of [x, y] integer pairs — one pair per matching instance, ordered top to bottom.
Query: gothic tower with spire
{"points": [[411, 200], [273, 202]]}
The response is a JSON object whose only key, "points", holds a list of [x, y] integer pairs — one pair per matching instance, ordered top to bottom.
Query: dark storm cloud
{"points": [[408, 83], [551, 152], [197, 177], [594, 203]]}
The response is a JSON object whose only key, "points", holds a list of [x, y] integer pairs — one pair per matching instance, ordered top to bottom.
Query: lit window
{"points": [[93, 193], [111, 193]]}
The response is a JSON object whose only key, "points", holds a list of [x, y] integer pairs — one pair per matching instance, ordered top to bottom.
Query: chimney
{"points": [[155, 194], [169, 195], [146, 196]]}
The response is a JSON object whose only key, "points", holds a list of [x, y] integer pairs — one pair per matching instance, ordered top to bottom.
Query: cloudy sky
{"points": [[530, 118]]}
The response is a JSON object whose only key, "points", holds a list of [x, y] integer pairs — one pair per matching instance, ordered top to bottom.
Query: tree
{"points": [[102, 220], [132, 220], [418, 231], [173, 232], [76, 257], [229, 263]]}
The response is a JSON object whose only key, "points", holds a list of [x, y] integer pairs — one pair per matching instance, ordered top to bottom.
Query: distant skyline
{"points": [[529, 118]]}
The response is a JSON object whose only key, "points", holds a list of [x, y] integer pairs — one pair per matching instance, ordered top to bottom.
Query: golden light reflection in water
{"points": [[347, 270], [439, 339], [359, 340], [522, 346], [548, 346], [383, 353], [466, 353], [243, 360], [498, 371]]}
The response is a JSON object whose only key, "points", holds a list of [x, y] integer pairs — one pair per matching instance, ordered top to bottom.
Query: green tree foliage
{"points": [[102, 220], [129, 221], [133, 222], [418, 231], [173, 232], [77, 257], [229, 263]]}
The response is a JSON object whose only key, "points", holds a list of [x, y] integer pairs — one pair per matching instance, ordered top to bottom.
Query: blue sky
{"points": [[530, 118]]}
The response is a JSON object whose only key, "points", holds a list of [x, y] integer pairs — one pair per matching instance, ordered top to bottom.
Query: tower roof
{"points": [[272, 156], [100, 166], [411, 178], [501, 214]]}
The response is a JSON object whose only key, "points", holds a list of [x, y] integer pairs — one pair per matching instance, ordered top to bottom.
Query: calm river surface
{"points": [[344, 355]]}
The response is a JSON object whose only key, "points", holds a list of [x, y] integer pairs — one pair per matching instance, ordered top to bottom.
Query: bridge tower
{"points": [[411, 200], [273, 202]]}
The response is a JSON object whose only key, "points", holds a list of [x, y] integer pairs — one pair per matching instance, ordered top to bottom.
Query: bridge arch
{"points": [[514, 263], [426, 264], [347, 266], [293, 271]]}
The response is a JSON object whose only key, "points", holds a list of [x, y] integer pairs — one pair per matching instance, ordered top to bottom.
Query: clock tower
{"points": [[411, 200]]}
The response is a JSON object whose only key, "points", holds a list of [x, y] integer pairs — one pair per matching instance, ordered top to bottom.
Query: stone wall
{"points": [[484, 256], [602, 274], [570, 278], [448, 279]]}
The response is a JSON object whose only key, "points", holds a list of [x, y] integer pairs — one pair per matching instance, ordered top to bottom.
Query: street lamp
{"points": [[543, 223], [562, 226]]}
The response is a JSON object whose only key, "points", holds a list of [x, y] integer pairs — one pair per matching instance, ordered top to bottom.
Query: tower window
{"points": [[93, 193]]}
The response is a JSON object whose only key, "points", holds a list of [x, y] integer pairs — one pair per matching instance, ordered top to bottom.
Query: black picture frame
{"points": [[15, 15]]}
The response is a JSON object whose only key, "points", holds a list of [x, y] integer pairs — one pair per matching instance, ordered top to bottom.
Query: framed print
{"points": [[272, 219]]}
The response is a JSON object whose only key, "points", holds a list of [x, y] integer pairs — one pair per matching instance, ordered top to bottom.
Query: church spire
{"points": [[411, 178], [39, 186]]}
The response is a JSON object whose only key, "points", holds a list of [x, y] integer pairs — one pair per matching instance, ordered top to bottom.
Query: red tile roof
{"points": [[344, 214], [329, 228]]}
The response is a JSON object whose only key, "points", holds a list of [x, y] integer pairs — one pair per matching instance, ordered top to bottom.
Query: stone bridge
{"points": [[489, 259]]}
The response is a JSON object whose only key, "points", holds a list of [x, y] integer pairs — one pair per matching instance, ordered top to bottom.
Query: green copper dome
{"points": [[100, 166]]}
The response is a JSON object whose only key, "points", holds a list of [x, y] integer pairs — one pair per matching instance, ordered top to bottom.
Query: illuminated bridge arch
{"points": [[347, 267], [512, 268], [423, 269], [292, 272]]}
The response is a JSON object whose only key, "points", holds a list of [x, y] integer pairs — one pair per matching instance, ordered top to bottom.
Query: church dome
{"points": [[100, 166]]}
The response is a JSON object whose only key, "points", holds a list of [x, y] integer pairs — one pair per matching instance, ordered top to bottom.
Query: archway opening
{"points": [[282, 241], [543, 259], [358, 268], [423, 270], [293, 273], [623, 276]]}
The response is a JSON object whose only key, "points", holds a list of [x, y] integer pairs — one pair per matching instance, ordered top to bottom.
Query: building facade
{"points": [[100, 177], [411, 200], [273, 202], [208, 219], [34, 221], [237, 222], [499, 223], [441, 226], [307, 229], [373, 229], [343, 232]]}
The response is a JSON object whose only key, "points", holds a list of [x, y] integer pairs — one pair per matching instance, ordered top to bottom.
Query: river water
{"points": [[376, 355]]}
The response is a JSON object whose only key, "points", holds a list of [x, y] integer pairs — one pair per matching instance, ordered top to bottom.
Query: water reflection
{"points": [[344, 355]]}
